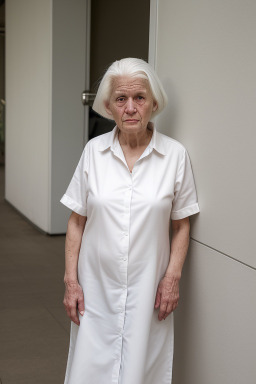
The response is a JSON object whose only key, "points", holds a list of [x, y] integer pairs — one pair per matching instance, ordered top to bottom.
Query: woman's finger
{"points": [[158, 298], [81, 304], [175, 305], [66, 307], [71, 309], [169, 309], [162, 310], [67, 311], [74, 316]]}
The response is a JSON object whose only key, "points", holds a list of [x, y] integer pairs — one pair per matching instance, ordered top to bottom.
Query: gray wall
{"points": [[206, 58]]}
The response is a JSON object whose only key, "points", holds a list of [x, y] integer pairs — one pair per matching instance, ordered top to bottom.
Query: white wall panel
{"points": [[206, 59], [45, 76], [68, 83], [28, 105], [215, 337]]}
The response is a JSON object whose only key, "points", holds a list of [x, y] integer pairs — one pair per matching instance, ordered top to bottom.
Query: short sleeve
{"points": [[75, 196], [185, 197]]}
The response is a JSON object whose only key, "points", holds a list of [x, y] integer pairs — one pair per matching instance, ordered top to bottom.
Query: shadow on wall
{"points": [[172, 109], [2, 131]]}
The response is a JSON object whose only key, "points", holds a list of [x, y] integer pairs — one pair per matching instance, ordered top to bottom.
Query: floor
{"points": [[34, 329]]}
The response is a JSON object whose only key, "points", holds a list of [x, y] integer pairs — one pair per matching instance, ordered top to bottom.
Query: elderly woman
{"points": [[122, 274]]}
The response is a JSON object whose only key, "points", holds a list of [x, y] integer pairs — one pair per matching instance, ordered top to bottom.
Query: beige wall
{"points": [[206, 58]]}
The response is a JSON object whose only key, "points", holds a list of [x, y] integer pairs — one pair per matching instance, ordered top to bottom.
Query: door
{"points": [[115, 30], [88, 35]]}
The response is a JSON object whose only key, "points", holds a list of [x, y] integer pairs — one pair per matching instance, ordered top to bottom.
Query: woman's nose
{"points": [[130, 106]]}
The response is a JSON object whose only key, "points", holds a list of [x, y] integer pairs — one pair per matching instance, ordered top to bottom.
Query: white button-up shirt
{"points": [[124, 253]]}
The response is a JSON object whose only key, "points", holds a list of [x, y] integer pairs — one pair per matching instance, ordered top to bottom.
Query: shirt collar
{"points": [[111, 140], [157, 141]]}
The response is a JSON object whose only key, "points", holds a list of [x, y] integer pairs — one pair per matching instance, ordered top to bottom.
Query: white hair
{"points": [[131, 67]]}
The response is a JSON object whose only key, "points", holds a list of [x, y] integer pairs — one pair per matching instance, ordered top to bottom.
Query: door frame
{"points": [[153, 28], [152, 49], [87, 68]]}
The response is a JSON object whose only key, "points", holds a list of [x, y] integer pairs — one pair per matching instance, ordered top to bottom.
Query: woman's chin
{"points": [[133, 126]]}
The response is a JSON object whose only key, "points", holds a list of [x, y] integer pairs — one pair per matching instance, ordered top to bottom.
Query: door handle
{"points": [[88, 98]]}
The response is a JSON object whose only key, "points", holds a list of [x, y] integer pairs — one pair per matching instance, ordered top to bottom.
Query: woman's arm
{"points": [[167, 295], [73, 298]]}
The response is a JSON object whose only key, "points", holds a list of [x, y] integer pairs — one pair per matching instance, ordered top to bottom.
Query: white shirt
{"points": [[124, 253]]}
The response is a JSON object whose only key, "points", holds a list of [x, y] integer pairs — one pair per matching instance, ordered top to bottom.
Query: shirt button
{"points": [[124, 258], [124, 287]]}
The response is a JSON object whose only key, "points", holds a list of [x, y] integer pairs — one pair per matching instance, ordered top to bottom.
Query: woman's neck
{"points": [[135, 139]]}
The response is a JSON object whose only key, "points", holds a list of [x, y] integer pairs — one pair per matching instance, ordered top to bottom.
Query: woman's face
{"points": [[131, 104]]}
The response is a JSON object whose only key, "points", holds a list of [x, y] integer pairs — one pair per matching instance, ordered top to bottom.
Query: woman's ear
{"points": [[106, 104], [155, 106]]}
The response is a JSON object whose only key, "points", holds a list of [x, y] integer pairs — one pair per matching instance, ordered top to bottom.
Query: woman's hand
{"points": [[167, 296], [74, 297], [73, 301]]}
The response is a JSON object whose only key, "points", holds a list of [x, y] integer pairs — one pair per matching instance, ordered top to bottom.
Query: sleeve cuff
{"points": [[73, 205], [185, 212]]}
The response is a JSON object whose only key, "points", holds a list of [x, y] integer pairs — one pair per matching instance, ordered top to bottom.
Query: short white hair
{"points": [[131, 67]]}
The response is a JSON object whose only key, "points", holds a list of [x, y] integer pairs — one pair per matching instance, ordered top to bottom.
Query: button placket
{"points": [[124, 269]]}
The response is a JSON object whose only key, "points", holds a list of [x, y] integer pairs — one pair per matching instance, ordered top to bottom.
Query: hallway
{"points": [[34, 329]]}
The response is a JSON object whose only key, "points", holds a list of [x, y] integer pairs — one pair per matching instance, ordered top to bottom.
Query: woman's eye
{"points": [[140, 99]]}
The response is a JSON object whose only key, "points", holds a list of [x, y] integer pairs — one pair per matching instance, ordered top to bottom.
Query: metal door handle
{"points": [[88, 98]]}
